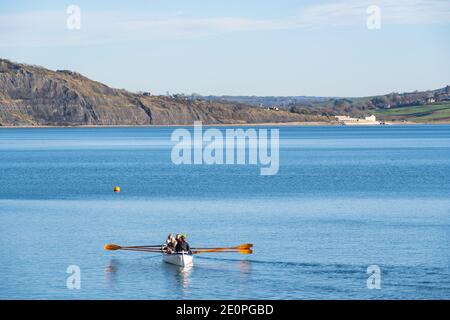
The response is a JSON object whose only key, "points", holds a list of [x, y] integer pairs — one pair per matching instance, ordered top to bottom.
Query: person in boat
{"points": [[170, 244], [182, 244]]}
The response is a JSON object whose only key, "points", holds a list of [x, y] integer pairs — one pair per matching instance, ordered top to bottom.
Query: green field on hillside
{"points": [[424, 113]]}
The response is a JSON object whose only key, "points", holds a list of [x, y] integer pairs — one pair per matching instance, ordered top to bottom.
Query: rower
{"points": [[169, 244], [182, 244]]}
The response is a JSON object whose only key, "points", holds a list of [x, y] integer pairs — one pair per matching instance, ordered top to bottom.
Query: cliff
{"points": [[33, 96]]}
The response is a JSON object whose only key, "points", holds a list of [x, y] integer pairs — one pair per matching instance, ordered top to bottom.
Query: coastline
{"points": [[261, 124], [268, 124]]}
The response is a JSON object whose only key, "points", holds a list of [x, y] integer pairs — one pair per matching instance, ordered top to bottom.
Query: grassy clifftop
{"points": [[439, 112]]}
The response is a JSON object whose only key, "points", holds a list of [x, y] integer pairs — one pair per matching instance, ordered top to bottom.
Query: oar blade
{"points": [[111, 246], [245, 246]]}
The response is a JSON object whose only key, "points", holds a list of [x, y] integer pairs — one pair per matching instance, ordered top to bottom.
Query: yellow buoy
{"points": [[116, 189]]}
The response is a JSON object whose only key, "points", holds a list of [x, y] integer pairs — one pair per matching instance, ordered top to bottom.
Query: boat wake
{"points": [[266, 262]]}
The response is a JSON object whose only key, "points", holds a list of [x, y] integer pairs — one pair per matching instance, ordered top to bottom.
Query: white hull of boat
{"points": [[179, 259]]}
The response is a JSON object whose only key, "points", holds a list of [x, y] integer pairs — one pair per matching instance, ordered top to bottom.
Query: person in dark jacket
{"points": [[182, 244]]}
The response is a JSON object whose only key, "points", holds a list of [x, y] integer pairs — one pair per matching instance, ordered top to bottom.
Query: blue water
{"points": [[344, 198]]}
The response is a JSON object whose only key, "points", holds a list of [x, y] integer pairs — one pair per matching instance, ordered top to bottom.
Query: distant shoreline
{"points": [[261, 124], [271, 124]]}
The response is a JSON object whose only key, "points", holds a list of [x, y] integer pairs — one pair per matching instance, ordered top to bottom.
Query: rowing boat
{"points": [[182, 259]]}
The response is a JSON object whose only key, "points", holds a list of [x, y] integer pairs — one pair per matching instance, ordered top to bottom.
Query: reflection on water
{"points": [[245, 267], [111, 272], [148, 273], [182, 277]]}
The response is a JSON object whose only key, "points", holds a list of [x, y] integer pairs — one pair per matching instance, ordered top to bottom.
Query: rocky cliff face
{"points": [[31, 95]]}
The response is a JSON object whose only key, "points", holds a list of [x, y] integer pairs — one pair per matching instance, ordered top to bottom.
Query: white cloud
{"points": [[393, 12], [49, 28]]}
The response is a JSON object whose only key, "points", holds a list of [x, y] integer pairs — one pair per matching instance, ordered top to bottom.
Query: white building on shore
{"points": [[346, 120]]}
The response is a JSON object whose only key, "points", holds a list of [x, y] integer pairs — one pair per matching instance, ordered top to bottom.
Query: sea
{"points": [[352, 213]]}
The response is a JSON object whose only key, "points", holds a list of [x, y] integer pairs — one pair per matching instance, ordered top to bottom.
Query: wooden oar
{"points": [[112, 246], [241, 246], [143, 247], [142, 250], [242, 251]]}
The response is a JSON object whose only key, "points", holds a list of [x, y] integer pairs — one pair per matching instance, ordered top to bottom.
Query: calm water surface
{"points": [[344, 198]]}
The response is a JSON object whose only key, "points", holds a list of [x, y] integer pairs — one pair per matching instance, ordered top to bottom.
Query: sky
{"points": [[237, 47]]}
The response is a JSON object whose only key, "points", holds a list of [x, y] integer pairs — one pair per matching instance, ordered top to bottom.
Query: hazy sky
{"points": [[237, 47]]}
